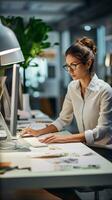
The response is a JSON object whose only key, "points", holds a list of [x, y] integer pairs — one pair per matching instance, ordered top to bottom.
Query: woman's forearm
{"points": [[49, 129], [31, 132], [80, 137], [61, 138]]}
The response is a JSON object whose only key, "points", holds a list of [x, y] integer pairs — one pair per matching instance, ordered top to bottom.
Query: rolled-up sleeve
{"points": [[104, 126]]}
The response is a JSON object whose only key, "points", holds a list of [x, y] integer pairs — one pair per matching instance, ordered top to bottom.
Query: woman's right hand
{"points": [[29, 132]]}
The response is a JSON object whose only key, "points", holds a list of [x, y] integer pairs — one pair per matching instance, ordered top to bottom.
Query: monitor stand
{"points": [[8, 145]]}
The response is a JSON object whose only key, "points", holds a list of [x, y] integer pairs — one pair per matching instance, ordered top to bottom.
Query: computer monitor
{"points": [[14, 99], [9, 104]]}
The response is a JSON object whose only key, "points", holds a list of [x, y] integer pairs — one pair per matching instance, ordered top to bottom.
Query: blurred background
{"points": [[69, 20]]}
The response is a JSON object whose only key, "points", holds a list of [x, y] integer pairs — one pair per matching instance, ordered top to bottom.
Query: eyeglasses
{"points": [[72, 66]]}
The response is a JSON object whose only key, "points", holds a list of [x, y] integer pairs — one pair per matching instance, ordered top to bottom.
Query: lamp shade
{"points": [[8, 40], [11, 58], [108, 60]]}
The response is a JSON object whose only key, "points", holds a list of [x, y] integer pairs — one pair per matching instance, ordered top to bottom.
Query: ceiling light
{"points": [[87, 28]]}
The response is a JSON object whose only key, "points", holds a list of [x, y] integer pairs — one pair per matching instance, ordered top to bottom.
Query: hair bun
{"points": [[88, 43]]}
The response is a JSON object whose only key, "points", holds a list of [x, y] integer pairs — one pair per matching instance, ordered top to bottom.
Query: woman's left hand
{"points": [[55, 138]]}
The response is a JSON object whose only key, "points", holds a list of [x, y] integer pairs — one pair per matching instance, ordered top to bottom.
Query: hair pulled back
{"points": [[84, 49]]}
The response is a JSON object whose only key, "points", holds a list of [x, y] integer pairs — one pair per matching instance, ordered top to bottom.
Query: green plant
{"points": [[32, 36]]}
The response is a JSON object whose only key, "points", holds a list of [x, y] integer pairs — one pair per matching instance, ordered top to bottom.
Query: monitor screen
{"points": [[6, 96], [10, 100]]}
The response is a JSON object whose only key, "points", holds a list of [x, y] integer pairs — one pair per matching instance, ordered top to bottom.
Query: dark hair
{"points": [[83, 49]]}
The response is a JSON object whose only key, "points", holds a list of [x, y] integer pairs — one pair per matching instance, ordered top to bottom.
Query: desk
{"points": [[52, 177]]}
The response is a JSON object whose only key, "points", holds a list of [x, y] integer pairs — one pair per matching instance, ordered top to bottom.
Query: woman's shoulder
{"points": [[104, 85], [105, 88]]}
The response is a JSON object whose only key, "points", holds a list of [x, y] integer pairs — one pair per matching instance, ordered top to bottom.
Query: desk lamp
{"points": [[10, 53]]}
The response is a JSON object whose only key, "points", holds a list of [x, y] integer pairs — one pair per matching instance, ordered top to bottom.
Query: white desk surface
{"points": [[46, 173]]}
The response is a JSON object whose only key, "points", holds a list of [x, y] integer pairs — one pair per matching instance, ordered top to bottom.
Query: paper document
{"points": [[34, 142], [47, 153]]}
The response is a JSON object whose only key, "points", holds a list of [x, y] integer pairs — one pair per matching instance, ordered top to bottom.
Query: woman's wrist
{"points": [[49, 129], [42, 131], [39, 132], [80, 137]]}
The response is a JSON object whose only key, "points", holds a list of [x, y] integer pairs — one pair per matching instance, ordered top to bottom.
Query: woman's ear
{"points": [[89, 63]]}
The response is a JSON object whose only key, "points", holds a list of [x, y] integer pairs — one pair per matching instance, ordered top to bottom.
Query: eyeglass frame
{"points": [[72, 66]]}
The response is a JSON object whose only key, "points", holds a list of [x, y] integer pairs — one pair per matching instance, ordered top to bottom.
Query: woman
{"points": [[88, 98]]}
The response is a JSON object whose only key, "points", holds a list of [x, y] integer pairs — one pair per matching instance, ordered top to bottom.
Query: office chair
{"points": [[106, 152]]}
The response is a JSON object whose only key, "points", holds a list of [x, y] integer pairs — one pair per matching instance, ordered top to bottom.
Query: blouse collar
{"points": [[93, 85]]}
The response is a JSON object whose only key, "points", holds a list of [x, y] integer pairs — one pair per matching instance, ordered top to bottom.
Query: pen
{"points": [[86, 167], [6, 169]]}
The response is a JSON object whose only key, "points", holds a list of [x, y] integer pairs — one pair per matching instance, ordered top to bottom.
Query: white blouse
{"points": [[93, 114]]}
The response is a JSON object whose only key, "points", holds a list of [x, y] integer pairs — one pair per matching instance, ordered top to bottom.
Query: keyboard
{"points": [[31, 142]]}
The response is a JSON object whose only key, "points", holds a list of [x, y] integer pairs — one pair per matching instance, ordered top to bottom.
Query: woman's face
{"points": [[76, 69]]}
